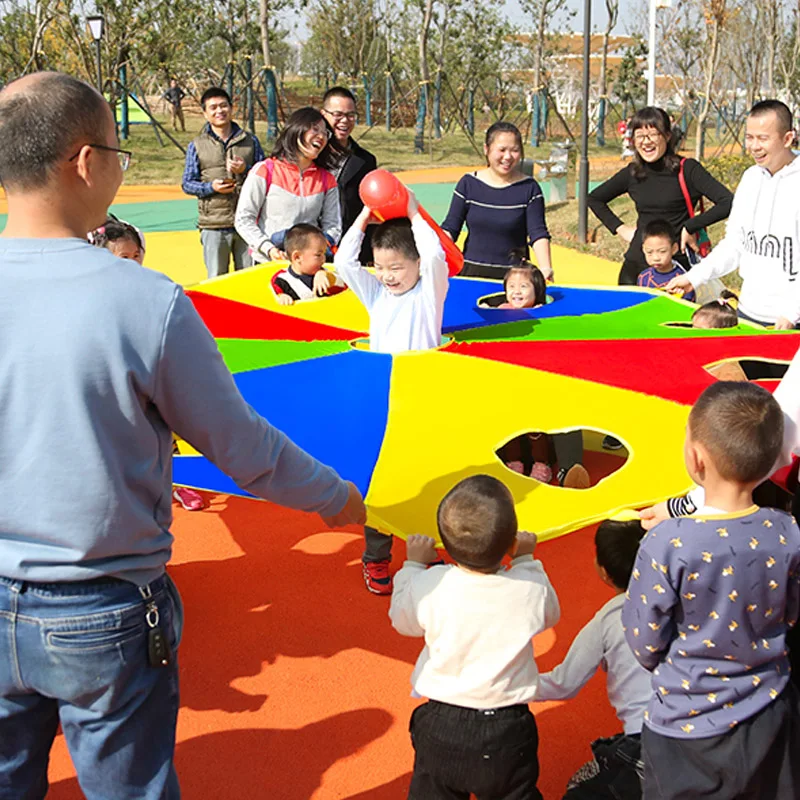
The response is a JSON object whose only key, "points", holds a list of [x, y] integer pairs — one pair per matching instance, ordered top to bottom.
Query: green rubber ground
{"points": [[181, 215]]}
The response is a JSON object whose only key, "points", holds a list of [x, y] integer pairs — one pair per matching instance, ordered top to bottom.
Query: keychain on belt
{"points": [[158, 650]]}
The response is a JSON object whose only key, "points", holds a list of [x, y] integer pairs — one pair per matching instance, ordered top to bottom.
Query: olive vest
{"points": [[218, 210]]}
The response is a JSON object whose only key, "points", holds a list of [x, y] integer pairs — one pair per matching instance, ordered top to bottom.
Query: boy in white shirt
{"points": [[405, 300], [476, 733], [617, 768]]}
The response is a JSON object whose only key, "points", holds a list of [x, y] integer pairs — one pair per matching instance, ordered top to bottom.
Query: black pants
{"points": [[473, 270], [630, 272], [377, 545], [492, 754], [756, 760], [619, 770]]}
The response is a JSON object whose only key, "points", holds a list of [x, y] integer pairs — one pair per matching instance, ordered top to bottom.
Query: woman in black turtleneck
{"points": [[651, 180]]}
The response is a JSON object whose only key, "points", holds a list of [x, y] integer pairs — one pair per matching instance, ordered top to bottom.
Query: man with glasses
{"points": [[339, 109], [217, 162], [101, 360]]}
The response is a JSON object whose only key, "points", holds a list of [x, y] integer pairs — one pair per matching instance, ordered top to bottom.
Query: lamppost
{"points": [[96, 24], [583, 165]]}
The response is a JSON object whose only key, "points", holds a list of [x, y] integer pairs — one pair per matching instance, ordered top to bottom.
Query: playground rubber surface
{"points": [[293, 684]]}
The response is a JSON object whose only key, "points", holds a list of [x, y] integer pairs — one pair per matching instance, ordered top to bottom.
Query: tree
{"points": [[612, 12], [715, 13], [629, 83]]}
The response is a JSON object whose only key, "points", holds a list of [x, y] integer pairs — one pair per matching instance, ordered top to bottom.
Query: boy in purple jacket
{"points": [[709, 604]]}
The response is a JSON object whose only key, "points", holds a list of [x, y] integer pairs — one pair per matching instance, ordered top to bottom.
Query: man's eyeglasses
{"points": [[337, 115], [123, 155]]}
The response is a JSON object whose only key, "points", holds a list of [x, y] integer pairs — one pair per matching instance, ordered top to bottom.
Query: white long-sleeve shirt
{"points": [[762, 239], [410, 321], [478, 629], [601, 644]]}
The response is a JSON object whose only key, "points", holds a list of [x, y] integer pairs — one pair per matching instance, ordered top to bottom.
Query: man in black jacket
{"points": [[339, 109]]}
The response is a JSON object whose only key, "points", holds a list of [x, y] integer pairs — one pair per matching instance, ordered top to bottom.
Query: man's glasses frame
{"points": [[337, 115], [123, 155]]}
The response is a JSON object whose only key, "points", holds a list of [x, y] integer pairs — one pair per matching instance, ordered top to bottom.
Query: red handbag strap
{"points": [[685, 189]]}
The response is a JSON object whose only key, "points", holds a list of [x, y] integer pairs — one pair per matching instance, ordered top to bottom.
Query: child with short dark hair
{"points": [[660, 245], [305, 246], [525, 286], [405, 296], [405, 300], [709, 605], [476, 732], [617, 769]]}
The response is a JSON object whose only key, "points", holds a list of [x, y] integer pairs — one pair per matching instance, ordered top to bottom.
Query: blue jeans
{"points": [[218, 248], [76, 653]]}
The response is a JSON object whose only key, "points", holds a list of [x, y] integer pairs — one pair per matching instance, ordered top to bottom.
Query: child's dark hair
{"points": [[659, 228], [114, 230], [395, 234], [300, 236], [522, 266], [720, 313], [741, 427], [478, 522], [616, 544]]}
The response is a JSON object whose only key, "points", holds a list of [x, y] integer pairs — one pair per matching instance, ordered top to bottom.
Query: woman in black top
{"points": [[651, 180]]}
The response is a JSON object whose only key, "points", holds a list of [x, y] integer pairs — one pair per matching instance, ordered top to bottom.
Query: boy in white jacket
{"points": [[762, 237], [476, 733]]}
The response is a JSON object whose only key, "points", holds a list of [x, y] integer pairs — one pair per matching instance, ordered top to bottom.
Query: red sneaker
{"points": [[188, 498], [376, 576]]}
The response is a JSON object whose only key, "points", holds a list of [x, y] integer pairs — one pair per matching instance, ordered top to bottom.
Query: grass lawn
{"points": [[154, 164]]}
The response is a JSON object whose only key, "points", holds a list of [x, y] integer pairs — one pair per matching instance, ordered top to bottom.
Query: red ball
{"points": [[384, 194]]}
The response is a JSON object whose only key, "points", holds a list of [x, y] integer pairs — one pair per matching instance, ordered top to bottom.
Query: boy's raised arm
{"points": [[365, 285]]}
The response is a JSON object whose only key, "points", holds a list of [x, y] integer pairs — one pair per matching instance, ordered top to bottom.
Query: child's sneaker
{"points": [[188, 498], [376, 576]]}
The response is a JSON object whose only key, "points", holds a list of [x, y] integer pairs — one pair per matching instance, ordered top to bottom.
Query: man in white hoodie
{"points": [[762, 237]]}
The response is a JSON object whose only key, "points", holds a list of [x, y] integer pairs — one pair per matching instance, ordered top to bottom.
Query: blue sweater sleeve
{"points": [[191, 182], [534, 216], [454, 221], [197, 397]]}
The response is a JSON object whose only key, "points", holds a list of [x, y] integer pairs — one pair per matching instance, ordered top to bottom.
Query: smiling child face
{"points": [[397, 272]]}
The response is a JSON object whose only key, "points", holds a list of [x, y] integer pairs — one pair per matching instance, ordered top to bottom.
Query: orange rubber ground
{"points": [[295, 686]]}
